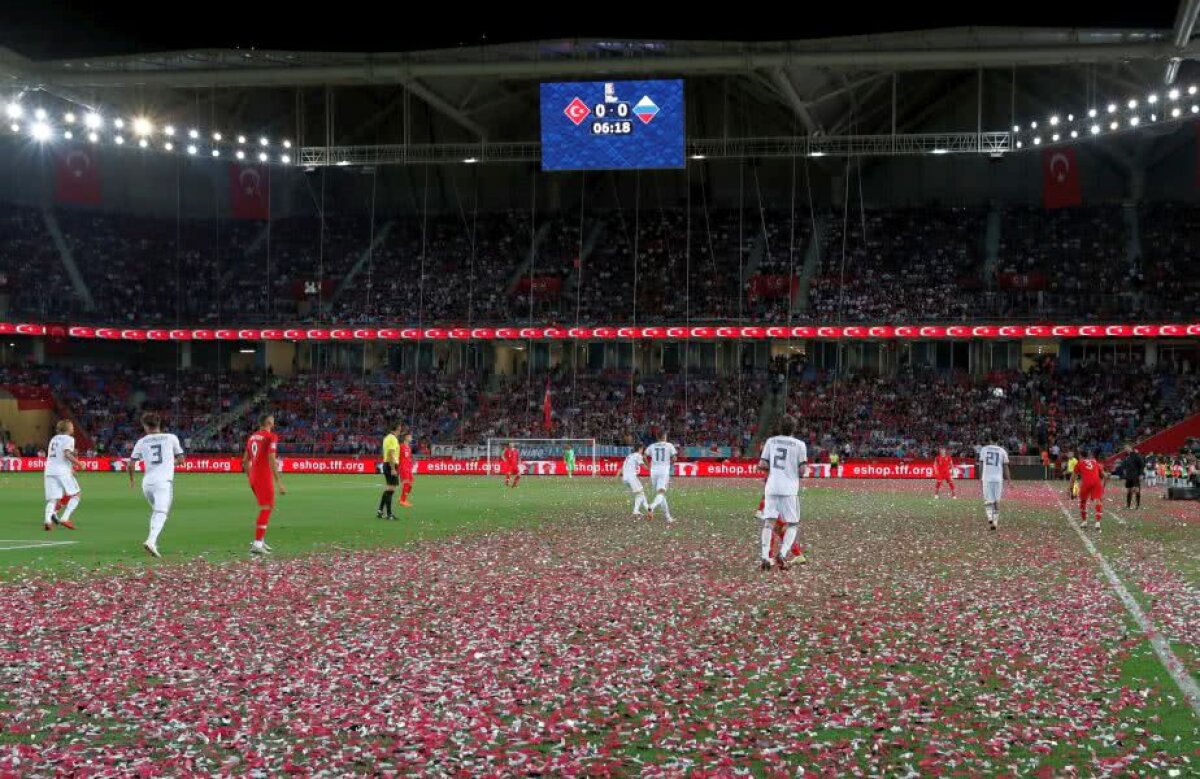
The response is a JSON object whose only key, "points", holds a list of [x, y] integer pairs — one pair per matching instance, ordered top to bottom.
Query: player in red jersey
{"points": [[258, 461], [510, 465], [943, 468], [406, 470], [1090, 475]]}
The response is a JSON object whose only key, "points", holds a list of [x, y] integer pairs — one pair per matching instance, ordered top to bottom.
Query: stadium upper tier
{"points": [[899, 265]]}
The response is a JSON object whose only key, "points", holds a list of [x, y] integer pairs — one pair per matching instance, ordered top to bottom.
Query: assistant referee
{"points": [[391, 471]]}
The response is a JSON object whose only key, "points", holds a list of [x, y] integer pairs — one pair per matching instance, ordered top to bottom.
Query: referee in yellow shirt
{"points": [[391, 471]]}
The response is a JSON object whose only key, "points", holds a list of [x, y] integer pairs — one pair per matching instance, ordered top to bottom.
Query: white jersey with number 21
{"points": [[993, 459]]}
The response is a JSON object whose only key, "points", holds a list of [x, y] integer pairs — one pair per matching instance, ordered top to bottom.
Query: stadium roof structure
{"points": [[941, 91]]}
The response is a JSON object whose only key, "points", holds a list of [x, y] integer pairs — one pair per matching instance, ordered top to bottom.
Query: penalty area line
{"points": [[8, 544], [1170, 661]]}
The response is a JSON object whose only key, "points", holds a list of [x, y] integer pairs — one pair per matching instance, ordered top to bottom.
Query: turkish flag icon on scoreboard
{"points": [[76, 177], [1060, 179], [249, 192]]}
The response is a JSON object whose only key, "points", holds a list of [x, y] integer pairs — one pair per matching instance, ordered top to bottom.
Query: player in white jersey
{"points": [[159, 453], [662, 456], [785, 460], [994, 471], [629, 474], [62, 489]]}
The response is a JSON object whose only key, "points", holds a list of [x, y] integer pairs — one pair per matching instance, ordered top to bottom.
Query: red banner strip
{"points": [[847, 332]]}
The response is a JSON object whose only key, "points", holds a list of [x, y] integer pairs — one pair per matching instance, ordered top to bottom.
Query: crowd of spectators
{"points": [[606, 265], [902, 265], [106, 402], [907, 415], [911, 415]]}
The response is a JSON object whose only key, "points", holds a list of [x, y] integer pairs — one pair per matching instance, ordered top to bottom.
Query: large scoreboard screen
{"points": [[602, 125]]}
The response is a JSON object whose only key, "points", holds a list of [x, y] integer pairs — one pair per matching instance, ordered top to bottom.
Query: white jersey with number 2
{"points": [[158, 451], [660, 456], [786, 457], [993, 459], [57, 463]]}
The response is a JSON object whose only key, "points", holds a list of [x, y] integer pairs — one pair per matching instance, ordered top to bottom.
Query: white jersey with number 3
{"points": [[158, 451], [660, 456], [786, 457], [993, 459], [57, 463]]}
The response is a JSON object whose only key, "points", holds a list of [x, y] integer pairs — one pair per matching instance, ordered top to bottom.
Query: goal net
{"points": [[547, 456]]}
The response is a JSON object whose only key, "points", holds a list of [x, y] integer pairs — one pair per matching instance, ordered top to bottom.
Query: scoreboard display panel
{"points": [[605, 125]]}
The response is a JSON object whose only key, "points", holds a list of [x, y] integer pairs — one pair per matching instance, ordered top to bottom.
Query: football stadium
{"points": [[617, 398]]}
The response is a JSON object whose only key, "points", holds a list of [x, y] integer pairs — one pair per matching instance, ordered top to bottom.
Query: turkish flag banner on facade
{"points": [[76, 177], [1060, 179], [249, 192]]}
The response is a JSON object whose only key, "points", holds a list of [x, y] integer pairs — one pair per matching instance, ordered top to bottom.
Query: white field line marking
{"points": [[24, 544], [1166, 656]]}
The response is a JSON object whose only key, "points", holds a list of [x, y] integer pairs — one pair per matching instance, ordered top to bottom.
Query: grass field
{"points": [[544, 631]]}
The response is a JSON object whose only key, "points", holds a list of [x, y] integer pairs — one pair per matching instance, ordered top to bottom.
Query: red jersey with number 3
{"points": [[260, 446], [406, 460], [941, 466], [1089, 473]]}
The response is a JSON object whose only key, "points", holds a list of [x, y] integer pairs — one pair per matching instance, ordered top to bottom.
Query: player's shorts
{"points": [[389, 475], [406, 475], [942, 477], [660, 480], [1134, 483], [634, 484], [61, 486], [993, 491], [1093, 491], [264, 493], [160, 496], [785, 508]]}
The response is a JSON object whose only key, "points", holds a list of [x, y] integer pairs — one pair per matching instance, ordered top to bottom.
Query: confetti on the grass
{"points": [[599, 646]]}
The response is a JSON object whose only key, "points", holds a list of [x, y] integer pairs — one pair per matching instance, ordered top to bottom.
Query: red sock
{"points": [[516, 479], [950, 484], [407, 488], [937, 488], [1083, 510], [1099, 511], [260, 528]]}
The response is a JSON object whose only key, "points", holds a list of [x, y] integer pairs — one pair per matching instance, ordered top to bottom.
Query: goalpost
{"points": [[546, 449]]}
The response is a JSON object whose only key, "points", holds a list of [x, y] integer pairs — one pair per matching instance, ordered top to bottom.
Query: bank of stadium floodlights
{"points": [[145, 133]]}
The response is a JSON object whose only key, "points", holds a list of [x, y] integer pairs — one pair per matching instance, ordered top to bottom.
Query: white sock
{"points": [[659, 499], [663, 500], [639, 502], [50, 504], [70, 509], [157, 520], [768, 527], [789, 538]]}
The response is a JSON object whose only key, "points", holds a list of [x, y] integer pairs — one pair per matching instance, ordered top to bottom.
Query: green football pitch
{"points": [[543, 630]]}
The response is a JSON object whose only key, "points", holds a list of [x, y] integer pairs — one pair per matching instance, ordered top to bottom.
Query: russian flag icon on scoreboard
{"points": [[645, 109]]}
